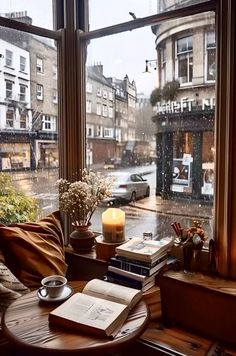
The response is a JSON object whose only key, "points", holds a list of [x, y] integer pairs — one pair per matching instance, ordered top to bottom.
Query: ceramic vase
{"points": [[82, 238]]}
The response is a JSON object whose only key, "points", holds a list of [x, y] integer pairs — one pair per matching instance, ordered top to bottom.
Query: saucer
{"points": [[67, 292]]}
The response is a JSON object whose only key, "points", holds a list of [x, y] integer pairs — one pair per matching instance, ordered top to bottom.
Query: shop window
{"points": [[210, 55], [9, 58], [185, 60], [22, 64], [40, 65], [39, 92]]}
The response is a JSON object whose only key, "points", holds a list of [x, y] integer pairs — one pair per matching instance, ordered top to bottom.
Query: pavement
{"points": [[174, 207]]}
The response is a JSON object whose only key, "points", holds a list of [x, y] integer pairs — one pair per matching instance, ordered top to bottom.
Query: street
{"points": [[41, 185]]}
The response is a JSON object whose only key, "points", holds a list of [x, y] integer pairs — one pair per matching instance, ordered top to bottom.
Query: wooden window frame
{"points": [[71, 33]]}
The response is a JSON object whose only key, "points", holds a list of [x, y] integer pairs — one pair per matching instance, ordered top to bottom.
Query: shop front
{"points": [[185, 154]]}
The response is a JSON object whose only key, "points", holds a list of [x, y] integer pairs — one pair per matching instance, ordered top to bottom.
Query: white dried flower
{"points": [[80, 199]]}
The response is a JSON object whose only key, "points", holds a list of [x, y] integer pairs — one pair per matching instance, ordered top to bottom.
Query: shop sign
{"points": [[185, 105]]}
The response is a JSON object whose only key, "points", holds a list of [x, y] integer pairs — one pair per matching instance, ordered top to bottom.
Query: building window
{"points": [[210, 55], [9, 58], [185, 60], [22, 64], [39, 65], [163, 66], [54, 71], [9, 87], [89, 87], [39, 92], [99, 92], [22, 94], [105, 94], [110, 95], [55, 99], [88, 106], [99, 109], [104, 110], [110, 111], [10, 119], [23, 120], [49, 123], [89, 130], [99, 131], [108, 132]]}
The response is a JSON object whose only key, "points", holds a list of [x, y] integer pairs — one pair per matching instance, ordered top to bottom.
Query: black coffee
{"points": [[53, 283]]}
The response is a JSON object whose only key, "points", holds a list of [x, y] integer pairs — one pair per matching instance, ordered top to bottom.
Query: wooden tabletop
{"points": [[25, 324]]}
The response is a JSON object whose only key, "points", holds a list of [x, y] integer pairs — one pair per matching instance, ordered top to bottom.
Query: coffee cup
{"points": [[52, 286]]}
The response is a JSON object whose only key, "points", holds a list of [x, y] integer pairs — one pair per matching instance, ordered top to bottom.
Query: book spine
{"points": [[137, 262], [130, 267], [123, 272], [125, 281]]}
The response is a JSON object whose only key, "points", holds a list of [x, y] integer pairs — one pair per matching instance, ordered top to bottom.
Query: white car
{"points": [[129, 186]]}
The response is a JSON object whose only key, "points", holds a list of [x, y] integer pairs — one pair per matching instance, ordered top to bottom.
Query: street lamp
{"points": [[148, 63]]}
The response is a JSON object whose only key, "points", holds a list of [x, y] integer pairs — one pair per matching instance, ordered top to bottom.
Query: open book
{"points": [[101, 308]]}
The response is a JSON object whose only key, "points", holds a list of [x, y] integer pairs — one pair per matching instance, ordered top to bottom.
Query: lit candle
{"points": [[113, 225]]}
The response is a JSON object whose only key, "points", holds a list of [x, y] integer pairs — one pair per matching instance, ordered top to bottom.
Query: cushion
{"points": [[34, 250], [10, 288]]}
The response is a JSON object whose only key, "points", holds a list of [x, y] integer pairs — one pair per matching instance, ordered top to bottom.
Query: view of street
{"points": [[41, 185]]}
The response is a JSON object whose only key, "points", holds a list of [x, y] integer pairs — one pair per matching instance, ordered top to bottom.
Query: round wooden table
{"points": [[25, 324]]}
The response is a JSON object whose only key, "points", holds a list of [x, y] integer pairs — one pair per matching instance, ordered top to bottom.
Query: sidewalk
{"points": [[173, 207]]}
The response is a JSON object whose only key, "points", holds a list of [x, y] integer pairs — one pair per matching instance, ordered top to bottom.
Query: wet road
{"points": [[41, 185]]}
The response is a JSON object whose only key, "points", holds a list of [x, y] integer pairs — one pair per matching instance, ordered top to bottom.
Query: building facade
{"points": [[185, 106]]}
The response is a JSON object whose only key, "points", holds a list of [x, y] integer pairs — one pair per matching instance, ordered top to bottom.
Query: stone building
{"points": [[185, 105]]}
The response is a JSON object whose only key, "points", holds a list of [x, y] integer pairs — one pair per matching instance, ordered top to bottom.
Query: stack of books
{"points": [[138, 261]]}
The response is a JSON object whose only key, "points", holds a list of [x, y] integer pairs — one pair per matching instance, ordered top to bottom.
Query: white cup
{"points": [[52, 286]]}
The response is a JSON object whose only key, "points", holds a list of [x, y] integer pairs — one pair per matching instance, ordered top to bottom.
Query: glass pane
{"points": [[31, 11], [105, 13], [28, 125], [159, 129]]}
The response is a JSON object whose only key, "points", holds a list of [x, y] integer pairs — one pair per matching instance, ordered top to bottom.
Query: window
{"points": [[210, 56], [9, 58], [185, 60], [181, 63], [22, 64], [39, 65], [163, 65], [54, 70], [9, 87], [89, 87], [22, 92], [39, 92], [99, 92], [104, 94], [55, 99], [88, 106], [99, 109], [104, 110], [110, 111], [10, 119], [23, 120], [49, 123], [89, 131], [108, 132]]}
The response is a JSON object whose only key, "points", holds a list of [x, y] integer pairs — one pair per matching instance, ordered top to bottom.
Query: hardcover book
{"points": [[144, 250], [131, 266], [130, 282], [101, 308]]}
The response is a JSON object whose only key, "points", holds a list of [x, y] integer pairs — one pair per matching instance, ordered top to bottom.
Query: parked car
{"points": [[129, 186]]}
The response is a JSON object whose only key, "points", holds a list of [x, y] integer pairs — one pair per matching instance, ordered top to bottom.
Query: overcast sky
{"points": [[120, 54]]}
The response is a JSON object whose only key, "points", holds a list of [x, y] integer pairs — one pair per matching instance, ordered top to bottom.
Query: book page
{"points": [[113, 292], [91, 311]]}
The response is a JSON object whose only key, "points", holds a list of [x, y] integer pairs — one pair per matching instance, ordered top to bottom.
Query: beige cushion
{"points": [[34, 250], [10, 288]]}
